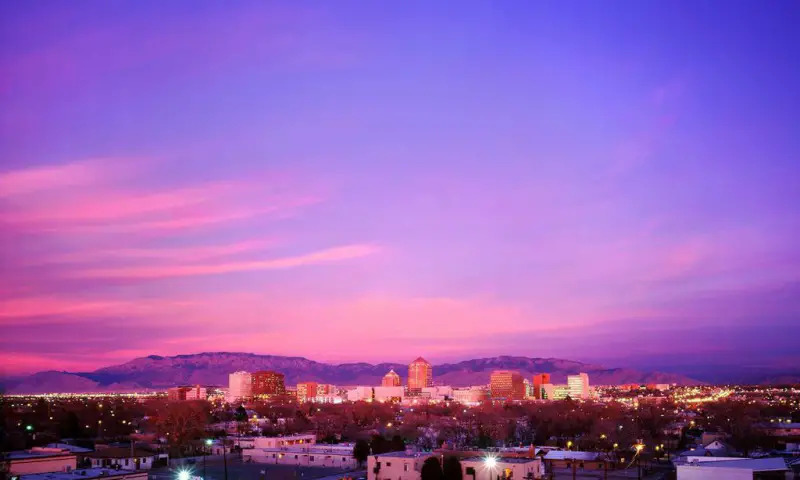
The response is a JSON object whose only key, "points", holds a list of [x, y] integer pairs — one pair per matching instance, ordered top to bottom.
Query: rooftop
{"points": [[71, 448], [38, 452], [119, 452], [404, 454], [572, 455], [502, 460], [754, 464], [82, 474]]}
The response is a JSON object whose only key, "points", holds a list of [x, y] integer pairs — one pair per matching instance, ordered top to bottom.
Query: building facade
{"points": [[420, 375], [391, 379], [538, 380], [268, 383], [506, 385], [240, 386], [578, 386], [307, 391], [40, 460]]}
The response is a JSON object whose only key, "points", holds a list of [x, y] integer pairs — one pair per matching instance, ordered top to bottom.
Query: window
{"points": [[295, 457], [311, 458], [126, 461], [388, 464], [405, 467]]}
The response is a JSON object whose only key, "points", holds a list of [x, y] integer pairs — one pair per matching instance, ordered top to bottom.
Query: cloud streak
{"points": [[328, 255]]}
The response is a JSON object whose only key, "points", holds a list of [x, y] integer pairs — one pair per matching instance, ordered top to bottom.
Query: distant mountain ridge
{"points": [[212, 368]]}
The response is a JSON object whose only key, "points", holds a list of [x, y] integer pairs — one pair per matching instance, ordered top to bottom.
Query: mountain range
{"points": [[212, 368]]}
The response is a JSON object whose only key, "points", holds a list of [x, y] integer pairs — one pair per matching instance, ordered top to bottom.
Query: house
{"points": [[716, 449], [309, 455], [124, 458], [39, 460], [581, 460], [396, 465], [510, 468], [737, 469], [88, 474]]}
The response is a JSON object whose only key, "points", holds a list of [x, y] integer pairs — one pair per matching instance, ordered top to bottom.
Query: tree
{"points": [[380, 445], [398, 445], [361, 451], [431, 470], [451, 470]]}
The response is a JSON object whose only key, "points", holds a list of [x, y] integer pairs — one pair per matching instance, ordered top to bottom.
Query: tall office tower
{"points": [[420, 375], [391, 379], [538, 380], [266, 383], [507, 385], [240, 386], [578, 386], [306, 391]]}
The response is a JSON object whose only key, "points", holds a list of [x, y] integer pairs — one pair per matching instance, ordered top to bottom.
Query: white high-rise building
{"points": [[240, 386], [578, 386]]}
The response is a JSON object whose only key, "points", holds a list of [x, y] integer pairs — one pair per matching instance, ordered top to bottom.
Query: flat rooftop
{"points": [[38, 453], [405, 455], [502, 460], [83, 474]]}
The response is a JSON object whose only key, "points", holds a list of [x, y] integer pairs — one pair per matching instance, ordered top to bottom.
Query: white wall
{"points": [[699, 472]]}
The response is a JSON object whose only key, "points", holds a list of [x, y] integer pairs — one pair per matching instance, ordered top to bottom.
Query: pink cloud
{"points": [[52, 177], [176, 255], [328, 255], [68, 309]]}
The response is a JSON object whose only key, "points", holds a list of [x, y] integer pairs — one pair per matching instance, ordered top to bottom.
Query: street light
{"points": [[29, 427], [183, 475]]}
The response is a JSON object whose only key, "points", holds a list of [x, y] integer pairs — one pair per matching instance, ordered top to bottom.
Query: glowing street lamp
{"points": [[29, 427], [183, 475]]}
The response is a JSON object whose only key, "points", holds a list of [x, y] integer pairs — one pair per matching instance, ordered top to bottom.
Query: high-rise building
{"points": [[420, 375], [391, 379], [538, 380], [266, 383], [507, 384], [240, 386], [578, 386], [306, 391], [177, 393], [196, 393]]}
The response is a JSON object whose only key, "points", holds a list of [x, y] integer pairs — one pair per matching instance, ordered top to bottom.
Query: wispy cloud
{"points": [[54, 177], [328, 255]]}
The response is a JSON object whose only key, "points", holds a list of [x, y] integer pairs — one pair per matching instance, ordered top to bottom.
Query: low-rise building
{"points": [[438, 393], [471, 395], [282, 442], [312, 455], [123, 458], [575, 459], [40, 460], [396, 465], [490, 468], [737, 469], [88, 474]]}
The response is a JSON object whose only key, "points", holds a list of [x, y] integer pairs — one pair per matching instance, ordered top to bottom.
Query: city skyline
{"points": [[613, 184]]}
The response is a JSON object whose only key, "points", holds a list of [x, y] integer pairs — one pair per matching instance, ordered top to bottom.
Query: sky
{"points": [[616, 183]]}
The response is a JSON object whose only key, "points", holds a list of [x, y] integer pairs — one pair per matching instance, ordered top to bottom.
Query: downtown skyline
{"points": [[607, 184]]}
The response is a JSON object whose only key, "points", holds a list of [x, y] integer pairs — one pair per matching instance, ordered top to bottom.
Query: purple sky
{"points": [[610, 182]]}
